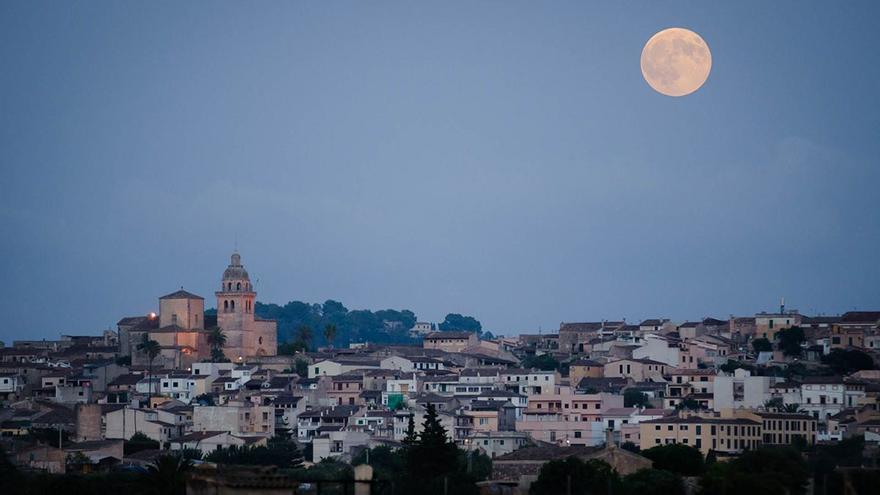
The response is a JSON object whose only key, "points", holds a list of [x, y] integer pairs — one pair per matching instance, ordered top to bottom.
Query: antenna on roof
{"points": [[782, 305]]}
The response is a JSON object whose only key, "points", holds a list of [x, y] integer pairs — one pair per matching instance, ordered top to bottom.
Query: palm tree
{"points": [[304, 334], [330, 334], [217, 340], [151, 349], [792, 408], [167, 475]]}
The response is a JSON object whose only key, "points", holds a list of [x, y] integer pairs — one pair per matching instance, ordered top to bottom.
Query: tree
{"points": [[457, 322], [330, 334], [304, 335], [790, 340], [217, 341], [762, 345], [291, 348], [152, 349], [846, 361], [544, 362], [301, 367], [635, 398], [688, 404], [774, 404], [791, 408], [411, 435], [139, 442], [278, 451], [677, 458], [431, 459], [765, 471], [167, 475], [572, 475], [653, 482]]}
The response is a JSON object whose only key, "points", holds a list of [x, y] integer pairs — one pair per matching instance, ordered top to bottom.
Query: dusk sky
{"points": [[505, 160]]}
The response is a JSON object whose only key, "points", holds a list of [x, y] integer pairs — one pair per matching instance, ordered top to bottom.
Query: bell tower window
{"points": [[238, 286], [226, 305], [232, 305]]}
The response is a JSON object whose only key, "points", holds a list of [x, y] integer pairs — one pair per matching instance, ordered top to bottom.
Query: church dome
{"points": [[235, 270]]}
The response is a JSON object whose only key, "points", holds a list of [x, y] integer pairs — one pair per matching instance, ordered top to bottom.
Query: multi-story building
{"points": [[450, 341], [639, 370], [741, 390], [824, 396], [723, 435]]}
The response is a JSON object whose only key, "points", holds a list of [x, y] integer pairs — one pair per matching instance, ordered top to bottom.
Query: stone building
{"points": [[181, 328], [246, 334]]}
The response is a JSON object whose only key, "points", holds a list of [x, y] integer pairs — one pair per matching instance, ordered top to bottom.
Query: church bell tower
{"points": [[235, 310]]}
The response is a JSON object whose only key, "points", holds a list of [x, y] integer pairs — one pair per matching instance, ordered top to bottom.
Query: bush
{"points": [[677, 458]]}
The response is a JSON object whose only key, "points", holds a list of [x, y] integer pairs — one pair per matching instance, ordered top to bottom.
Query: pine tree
{"points": [[433, 433], [411, 436]]}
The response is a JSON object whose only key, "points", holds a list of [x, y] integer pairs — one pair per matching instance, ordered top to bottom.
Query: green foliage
{"points": [[459, 323], [351, 326], [329, 333], [217, 341], [790, 341], [762, 345], [291, 348], [123, 361], [846, 361], [544, 362], [731, 366], [301, 367], [635, 398], [204, 399], [774, 404], [689, 405], [411, 436], [139, 442], [630, 447], [278, 452], [191, 454], [677, 458], [825, 460], [387, 464], [479, 465], [326, 470], [766, 471], [167, 475], [592, 477], [653, 482]]}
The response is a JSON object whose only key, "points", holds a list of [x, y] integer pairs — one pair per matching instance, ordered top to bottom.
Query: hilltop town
{"points": [[187, 379]]}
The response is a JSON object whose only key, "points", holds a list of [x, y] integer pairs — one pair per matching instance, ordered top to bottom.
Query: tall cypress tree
{"points": [[411, 436]]}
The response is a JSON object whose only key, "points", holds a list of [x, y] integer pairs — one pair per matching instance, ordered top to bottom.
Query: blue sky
{"points": [[499, 159]]}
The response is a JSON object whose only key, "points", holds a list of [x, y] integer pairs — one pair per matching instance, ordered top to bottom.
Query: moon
{"points": [[676, 62]]}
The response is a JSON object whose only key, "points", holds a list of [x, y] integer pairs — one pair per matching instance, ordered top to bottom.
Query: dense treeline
{"points": [[360, 325]]}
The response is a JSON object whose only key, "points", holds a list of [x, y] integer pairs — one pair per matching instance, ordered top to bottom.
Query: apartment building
{"points": [[723, 435]]}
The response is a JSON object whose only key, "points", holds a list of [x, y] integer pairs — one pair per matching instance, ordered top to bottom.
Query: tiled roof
{"points": [[181, 294]]}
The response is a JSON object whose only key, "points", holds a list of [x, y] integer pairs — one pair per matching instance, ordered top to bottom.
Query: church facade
{"points": [[181, 328]]}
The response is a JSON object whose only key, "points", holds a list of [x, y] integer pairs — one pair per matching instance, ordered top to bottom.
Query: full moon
{"points": [[676, 62]]}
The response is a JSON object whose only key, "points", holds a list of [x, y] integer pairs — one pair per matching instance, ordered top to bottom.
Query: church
{"points": [[181, 327]]}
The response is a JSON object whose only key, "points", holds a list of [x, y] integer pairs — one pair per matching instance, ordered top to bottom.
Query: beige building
{"points": [[768, 324], [181, 327], [246, 334], [450, 341], [584, 368], [639, 370], [723, 435]]}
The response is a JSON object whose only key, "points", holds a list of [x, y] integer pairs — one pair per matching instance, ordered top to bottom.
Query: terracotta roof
{"points": [[182, 294], [449, 335]]}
